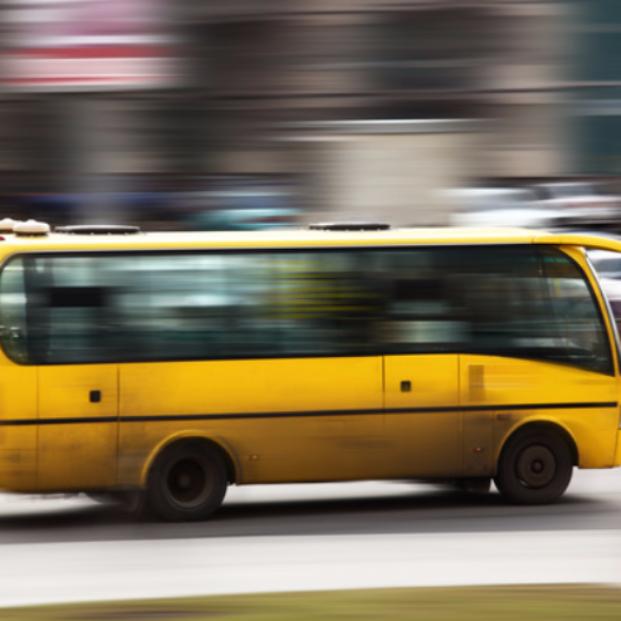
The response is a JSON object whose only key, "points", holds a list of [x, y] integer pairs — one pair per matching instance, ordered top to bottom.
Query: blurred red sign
{"points": [[88, 44]]}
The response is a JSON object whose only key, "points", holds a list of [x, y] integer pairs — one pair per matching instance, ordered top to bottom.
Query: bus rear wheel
{"points": [[535, 467], [187, 482]]}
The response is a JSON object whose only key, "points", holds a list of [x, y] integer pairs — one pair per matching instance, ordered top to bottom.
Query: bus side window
{"points": [[422, 314], [575, 318], [13, 324]]}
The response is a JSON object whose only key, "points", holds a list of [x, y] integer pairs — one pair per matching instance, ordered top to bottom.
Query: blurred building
{"points": [[596, 93], [360, 109]]}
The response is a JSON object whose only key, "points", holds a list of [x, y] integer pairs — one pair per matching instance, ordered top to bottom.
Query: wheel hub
{"points": [[536, 466], [187, 483]]}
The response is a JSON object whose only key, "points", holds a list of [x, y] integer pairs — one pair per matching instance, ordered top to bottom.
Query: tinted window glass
{"points": [[511, 301], [185, 306], [575, 321], [13, 325]]}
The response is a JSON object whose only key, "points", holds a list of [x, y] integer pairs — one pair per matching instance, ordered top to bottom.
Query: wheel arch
{"points": [[541, 425], [193, 436]]}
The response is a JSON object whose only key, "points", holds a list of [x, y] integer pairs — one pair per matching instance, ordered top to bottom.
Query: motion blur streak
{"points": [[254, 113]]}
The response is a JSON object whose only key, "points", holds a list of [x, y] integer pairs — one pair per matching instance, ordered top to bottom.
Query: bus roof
{"points": [[300, 238]]}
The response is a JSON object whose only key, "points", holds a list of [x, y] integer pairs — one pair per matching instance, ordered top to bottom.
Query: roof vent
{"points": [[7, 225], [349, 226], [31, 228], [98, 229]]}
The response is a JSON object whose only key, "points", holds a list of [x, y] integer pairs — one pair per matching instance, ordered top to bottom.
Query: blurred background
{"points": [[253, 113]]}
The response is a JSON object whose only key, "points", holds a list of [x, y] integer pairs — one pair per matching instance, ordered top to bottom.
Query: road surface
{"points": [[272, 538]]}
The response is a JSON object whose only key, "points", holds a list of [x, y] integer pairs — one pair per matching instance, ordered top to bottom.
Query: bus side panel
{"points": [[501, 385], [78, 407], [284, 420], [591, 429], [18, 440], [423, 444], [618, 452]]}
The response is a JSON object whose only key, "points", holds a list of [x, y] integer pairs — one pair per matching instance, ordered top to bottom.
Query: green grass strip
{"points": [[511, 603]]}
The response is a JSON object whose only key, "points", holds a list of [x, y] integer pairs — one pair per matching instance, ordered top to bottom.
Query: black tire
{"points": [[535, 467], [187, 482]]}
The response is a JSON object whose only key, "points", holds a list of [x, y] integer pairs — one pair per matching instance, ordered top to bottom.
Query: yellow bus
{"points": [[175, 364]]}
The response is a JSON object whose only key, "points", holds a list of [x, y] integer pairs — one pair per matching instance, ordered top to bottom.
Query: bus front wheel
{"points": [[535, 467], [187, 482]]}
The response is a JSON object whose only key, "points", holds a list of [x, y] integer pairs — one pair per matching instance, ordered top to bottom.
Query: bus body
{"points": [[176, 364]]}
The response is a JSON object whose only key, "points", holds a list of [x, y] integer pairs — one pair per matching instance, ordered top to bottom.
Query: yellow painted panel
{"points": [[302, 238], [432, 380], [496, 381], [227, 386], [18, 390], [64, 390], [18, 401], [593, 430], [16, 438], [423, 443], [315, 446], [270, 450], [618, 451], [77, 455], [18, 457], [18, 469]]}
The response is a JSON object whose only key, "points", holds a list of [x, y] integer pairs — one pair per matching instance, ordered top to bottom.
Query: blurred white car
{"points": [[583, 205], [501, 207], [606, 264]]}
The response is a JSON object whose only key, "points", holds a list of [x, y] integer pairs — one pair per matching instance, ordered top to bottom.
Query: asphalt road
{"points": [[592, 502], [271, 538]]}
